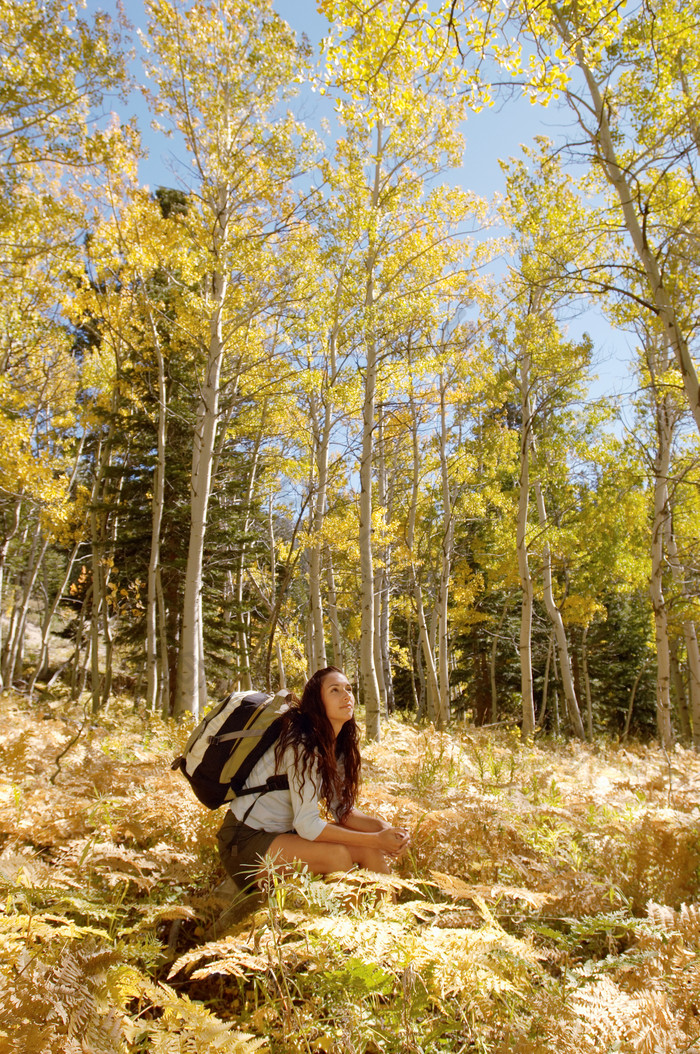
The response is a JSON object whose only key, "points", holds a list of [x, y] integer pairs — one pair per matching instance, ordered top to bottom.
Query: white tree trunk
{"points": [[665, 418], [321, 441], [13, 520], [448, 531], [100, 570], [656, 587], [382, 591], [528, 595], [689, 634], [336, 640], [43, 660], [492, 663], [368, 672], [155, 674], [244, 674], [431, 677], [567, 679], [545, 680], [587, 684], [432, 690], [191, 694], [679, 697]]}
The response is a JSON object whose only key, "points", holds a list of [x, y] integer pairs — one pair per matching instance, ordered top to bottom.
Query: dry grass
{"points": [[547, 904]]}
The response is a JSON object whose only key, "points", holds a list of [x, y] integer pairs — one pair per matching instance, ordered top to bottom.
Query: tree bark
{"points": [[321, 441], [13, 521], [448, 531], [100, 571], [656, 587], [382, 591], [528, 594], [689, 634], [336, 640], [14, 646], [43, 660], [492, 664], [428, 671], [244, 672], [368, 672], [156, 674], [545, 681], [587, 684], [191, 692], [678, 694], [633, 696], [572, 708]]}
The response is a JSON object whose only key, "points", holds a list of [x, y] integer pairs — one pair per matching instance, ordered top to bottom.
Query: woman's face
{"points": [[337, 699]]}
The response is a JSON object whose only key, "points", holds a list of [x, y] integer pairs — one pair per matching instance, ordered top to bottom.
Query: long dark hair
{"points": [[306, 728]]}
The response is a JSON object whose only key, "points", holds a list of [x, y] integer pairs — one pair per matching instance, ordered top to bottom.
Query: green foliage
{"points": [[91, 326]]}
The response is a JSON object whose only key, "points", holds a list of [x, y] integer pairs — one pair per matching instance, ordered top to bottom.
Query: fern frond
{"points": [[457, 889], [661, 916], [44, 929], [228, 950], [61, 1006], [644, 1021], [188, 1025]]}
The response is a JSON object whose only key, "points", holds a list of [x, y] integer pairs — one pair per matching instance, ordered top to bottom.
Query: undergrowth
{"points": [[548, 903]]}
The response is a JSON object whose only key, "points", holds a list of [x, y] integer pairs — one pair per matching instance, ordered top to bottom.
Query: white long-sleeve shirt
{"points": [[278, 811]]}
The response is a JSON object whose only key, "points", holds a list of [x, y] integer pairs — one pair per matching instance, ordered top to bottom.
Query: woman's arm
{"points": [[360, 821], [391, 840]]}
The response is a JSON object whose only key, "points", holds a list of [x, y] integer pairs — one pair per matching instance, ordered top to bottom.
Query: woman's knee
{"points": [[342, 858], [372, 860]]}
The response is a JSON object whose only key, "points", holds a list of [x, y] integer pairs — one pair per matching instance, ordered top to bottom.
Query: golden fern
{"points": [[555, 853], [457, 889], [229, 955], [57, 1006], [181, 1024]]}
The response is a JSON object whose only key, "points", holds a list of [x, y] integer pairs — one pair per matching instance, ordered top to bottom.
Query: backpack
{"points": [[226, 744]]}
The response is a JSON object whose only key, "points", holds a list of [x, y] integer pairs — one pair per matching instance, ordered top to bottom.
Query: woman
{"points": [[318, 750]]}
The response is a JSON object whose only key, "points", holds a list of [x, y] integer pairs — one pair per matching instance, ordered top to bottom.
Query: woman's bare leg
{"points": [[324, 857], [371, 859]]}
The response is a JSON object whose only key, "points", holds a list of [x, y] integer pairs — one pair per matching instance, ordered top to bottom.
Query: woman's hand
{"points": [[392, 840]]}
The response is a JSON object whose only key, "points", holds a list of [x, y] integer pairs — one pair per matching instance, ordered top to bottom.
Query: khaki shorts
{"points": [[242, 848]]}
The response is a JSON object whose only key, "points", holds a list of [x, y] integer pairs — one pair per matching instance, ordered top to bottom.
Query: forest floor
{"points": [[549, 901]]}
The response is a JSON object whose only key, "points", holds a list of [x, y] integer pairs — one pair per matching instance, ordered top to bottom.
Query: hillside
{"points": [[547, 904]]}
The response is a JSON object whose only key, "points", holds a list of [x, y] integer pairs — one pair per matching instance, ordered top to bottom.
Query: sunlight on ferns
{"points": [[547, 904]]}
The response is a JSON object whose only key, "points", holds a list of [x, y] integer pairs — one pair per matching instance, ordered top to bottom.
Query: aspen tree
{"points": [[221, 67], [56, 71], [630, 76], [398, 114], [652, 207], [545, 215], [550, 240], [128, 252], [131, 300], [320, 351], [660, 382], [661, 395], [436, 465], [661, 468], [446, 554], [681, 578], [526, 583], [427, 651]]}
